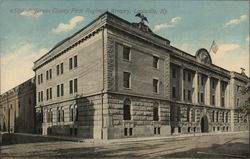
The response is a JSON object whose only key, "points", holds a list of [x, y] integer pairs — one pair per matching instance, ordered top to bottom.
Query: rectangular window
{"points": [[126, 53], [75, 61], [155, 62], [70, 63], [61, 68], [57, 69], [50, 73], [173, 73], [47, 75], [184, 75], [38, 77], [189, 77], [41, 78], [126, 79], [198, 79], [202, 80], [213, 84], [75, 85], [155, 85], [71, 86], [58, 90], [62, 90], [174, 92], [50, 93], [47, 94], [184, 94], [189, 95], [41, 96], [198, 97], [202, 97], [213, 99], [222, 101], [238, 102], [125, 131], [130, 131]]}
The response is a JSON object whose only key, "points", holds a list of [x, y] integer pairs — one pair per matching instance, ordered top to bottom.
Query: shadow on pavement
{"points": [[12, 139], [227, 150]]}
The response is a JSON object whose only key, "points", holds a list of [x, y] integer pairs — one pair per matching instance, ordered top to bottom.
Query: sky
{"points": [[29, 29]]}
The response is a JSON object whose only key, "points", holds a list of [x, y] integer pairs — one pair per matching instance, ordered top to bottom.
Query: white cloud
{"points": [[31, 13], [236, 21], [167, 25], [67, 27], [247, 38], [227, 47], [16, 66]]}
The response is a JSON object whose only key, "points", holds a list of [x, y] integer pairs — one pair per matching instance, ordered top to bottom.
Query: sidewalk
{"points": [[132, 139]]}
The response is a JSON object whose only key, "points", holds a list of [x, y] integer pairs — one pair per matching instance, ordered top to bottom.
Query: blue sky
{"points": [[29, 29]]}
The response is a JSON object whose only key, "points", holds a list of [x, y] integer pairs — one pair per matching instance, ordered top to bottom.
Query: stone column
{"points": [[181, 83], [195, 88], [207, 91], [218, 94], [227, 99]]}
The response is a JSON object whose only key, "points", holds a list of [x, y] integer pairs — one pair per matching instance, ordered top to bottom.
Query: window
{"points": [[126, 53], [75, 61], [155, 62], [70, 63], [61, 68], [57, 69], [50, 73], [174, 73], [47, 75], [184, 75], [38, 77], [189, 77], [41, 78], [126, 79], [198, 79], [202, 80], [213, 84], [75, 85], [71, 86], [155, 86], [58, 90], [62, 91], [174, 92], [47, 93], [50, 93], [184, 94], [189, 95], [41, 96], [202, 97], [213, 99], [222, 101], [238, 102], [126, 110], [156, 112], [73, 113], [58, 114], [188, 114], [62, 115], [213, 116], [217, 116], [223, 117], [226, 117], [125, 131], [130, 131]]}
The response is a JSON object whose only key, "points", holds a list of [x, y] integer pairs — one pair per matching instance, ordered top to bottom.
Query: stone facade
{"points": [[130, 82], [17, 108]]}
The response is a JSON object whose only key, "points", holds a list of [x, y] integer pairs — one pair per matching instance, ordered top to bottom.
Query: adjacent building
{"points": [[17, 108]]}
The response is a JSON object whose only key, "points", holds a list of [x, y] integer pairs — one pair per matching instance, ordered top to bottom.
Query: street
{"points": [[227, 145]]}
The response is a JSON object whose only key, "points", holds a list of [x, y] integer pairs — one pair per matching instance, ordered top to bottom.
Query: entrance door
{"points": [[204, 124]]}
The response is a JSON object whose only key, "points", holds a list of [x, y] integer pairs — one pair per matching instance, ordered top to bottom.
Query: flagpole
{"points": [[211, 47]]}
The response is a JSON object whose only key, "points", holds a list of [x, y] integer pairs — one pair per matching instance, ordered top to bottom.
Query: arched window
{"points": [[126, 110], [156, 112], [71, 113], [76, 113], [58, 114], [62, 114], [48, 115], [51, 115], [213, 116]]}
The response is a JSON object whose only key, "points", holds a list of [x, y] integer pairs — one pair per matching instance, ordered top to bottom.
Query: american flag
{"points": [[214, 47]]}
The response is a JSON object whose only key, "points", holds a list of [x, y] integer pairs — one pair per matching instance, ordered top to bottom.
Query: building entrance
{"points": [[204, 124]]}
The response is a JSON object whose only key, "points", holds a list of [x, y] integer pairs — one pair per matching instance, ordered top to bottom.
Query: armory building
{"points": [[116, 79]]}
